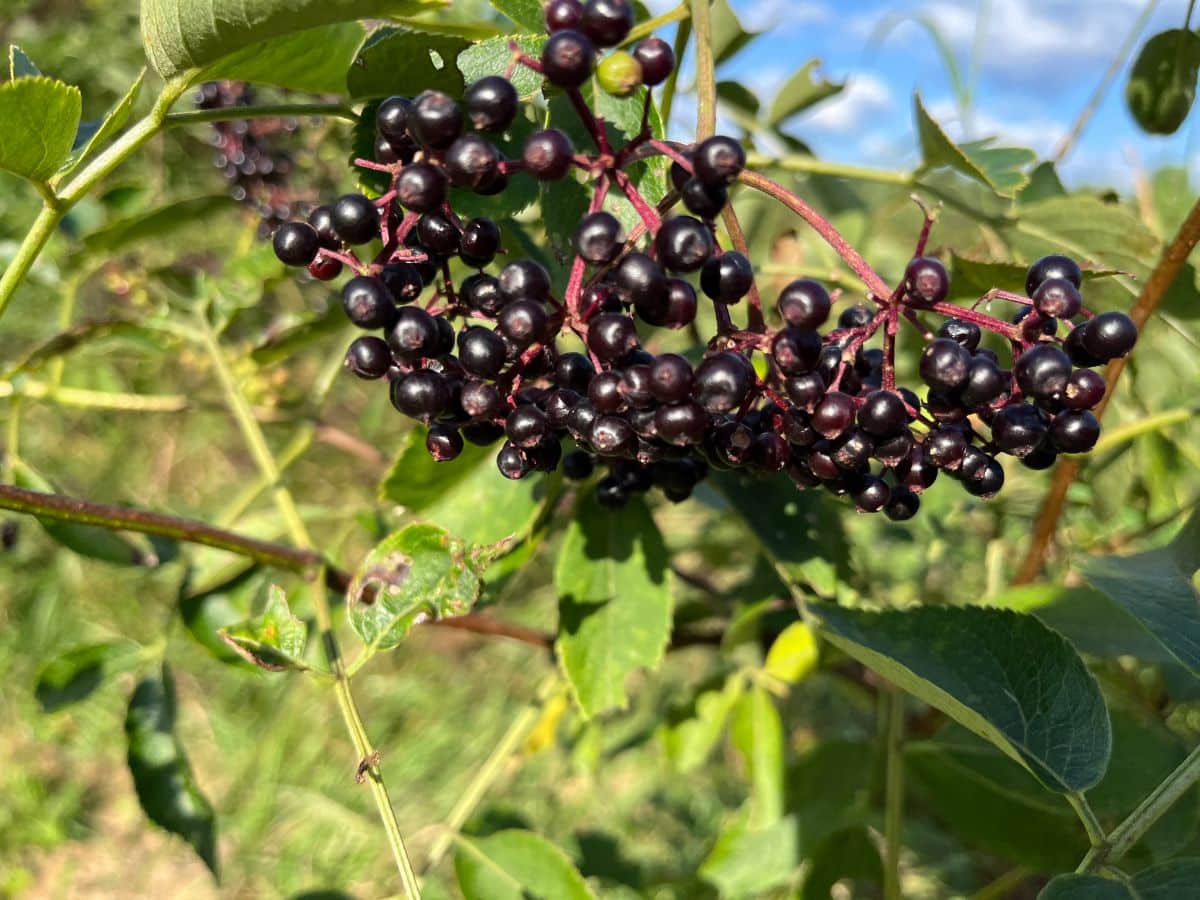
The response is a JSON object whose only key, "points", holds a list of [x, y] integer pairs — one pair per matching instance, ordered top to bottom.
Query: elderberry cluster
{"points": [[247, 152], [508, 357]]}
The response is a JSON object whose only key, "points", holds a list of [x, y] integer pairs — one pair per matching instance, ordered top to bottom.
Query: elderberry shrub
{"points": [[510, 358]]}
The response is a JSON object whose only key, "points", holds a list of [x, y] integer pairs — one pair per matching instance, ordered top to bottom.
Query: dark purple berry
{"points": [[562, 14], [607, 22], [568, 58], [657, 59], [492, 103], [435, 119], [391, 120], [548, 154], [718, 160], [472, 162], [421, 187], [703, 200], [321, 219], [355, 219], [438, 234], [598, 238], [480, 242], [296, 243], [684, 244], [1052, 267], [727, 278], [524, 279], [926, 281], [482, 292], [1057, 298], [368, 303], [681, 304], [804, 304], [523, 322], [415, 333], [965, 333], [610, 336], [1109, 336], [796, 350], [481, 351], [369, 357], [945, 364], [574, 371], [1042, 371], [671, 378], [723, 381], [634, 386], [1084, 390], [604, 393], [422, 394], [834, 414], [883, 414], [681, 424], [526, 425], [1019, 428], [1075, 431], [611, 435], [443, 443], [512, 462], [872, 494], [903, 505]]}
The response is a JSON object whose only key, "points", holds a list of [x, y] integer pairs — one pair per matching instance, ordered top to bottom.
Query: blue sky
{"points": [[1039, 62]]}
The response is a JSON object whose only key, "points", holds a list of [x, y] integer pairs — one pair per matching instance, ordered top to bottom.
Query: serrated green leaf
{"points": [[525, 13], [191, 34], [493, 57], [315, 60], [398, 61], [20, 65], [1162, 82], [803, 90], [40, 117], [92, 138], [1000, 168], [157, 223], [418, 571], [1156, 588], [614, 594], [220, 604], [274, 640], [793, 655], [75, 673], [1004, 676], [757, 733], [689, 735], [166, 787], [845, 856], [746, 861], [516, 865], [1167, 881]]}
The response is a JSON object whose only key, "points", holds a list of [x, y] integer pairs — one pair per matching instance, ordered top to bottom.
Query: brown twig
{"points": [[1153, 291]]}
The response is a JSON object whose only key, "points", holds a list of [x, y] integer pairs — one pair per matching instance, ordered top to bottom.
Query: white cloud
{"points": [[785, 15], [865, 97]]}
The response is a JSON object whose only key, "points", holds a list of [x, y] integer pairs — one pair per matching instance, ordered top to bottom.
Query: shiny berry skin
{"points": [[562, 14], [607, 22], [567, 58], [657, 59], [619, 74], [492, 103], [391, 119], [435, 120], [547, 154], [718, 160], [472, 162], [421, 187], [703, 200], [321, 219], [355, 219], [438, 233], [599, 237], [480, 242], [296, 243], [684, 244], [1052, 267], [325, 269], [727, 278], [524, 279], [642, 280], [926, 280], [403, 281], [1057, 298], [368, 303], [681, 304], [804, 304], [857, 316], [523, 322], [965, 333], [415, 334], [611, 335], [1110, 335], [1075, 349], [796, 350], [481, 351], [369, 357], [944, 364], [573, 371], [1042, 371], [671, 378], [723, 381], [986, 382], [635, 386], [805, 390], [1084, 390], [604, 393], [422, 394], [481, 400], [883, 414], [833, 415], [681, 424], [526, 425], [1019, 428], [1075, 432], [611, 435], [443, 443], [891, 450], [1043, 457], [512, 462], [917, 473], [987, 482], [872, 495], [903, 505]]}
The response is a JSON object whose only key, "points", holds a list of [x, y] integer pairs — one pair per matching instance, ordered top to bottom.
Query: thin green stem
{"points": [[644, 29], [682, 36], [706, 77], [262, 111], [810, 165], [31, 247], [88, 399], [1158, 422], [256, 442], [894, 801], [1091, 824], [1124, 836], [1003, 886]]}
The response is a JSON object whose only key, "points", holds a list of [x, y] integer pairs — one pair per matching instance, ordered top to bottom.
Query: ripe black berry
{"points": [[562, 14], [607, 22], [567, 58], [657, 59], [491, 103], [435, 119], [391, 120], [547, 154], [718, 160], [472, 162], [421, 187], [704, 200], [321, 219], [355, 219], [438, 233], [599, 237], [480, 242], [296, 243], [683, 243], [1052, 267], [324, 269], [727, 278], [524, 279], [403, 281], [643, 281], [926, 281], [1057, 298], [368, 302], [681, 304], [804, 304], [857, 316], [523, 322], [415, 333], [965, 333], [611, 335], [1110, 335], [1075, 349], [796, 350], [481, 351], [369, 357], [944, 364], [573, 371], [1042, 371], [671, 378], [723, 381], [986, 382], [635, 386], [1084, 390], [422, 394], [605, 394], [481, 400], [883, 414], [833, 415], [681, 424], [526, 425], [1019, 428], [1075, 432], [611, 435], [443, 443], [512, 462], [987, 481], [611, 493], [872, 494], [903, 505]]}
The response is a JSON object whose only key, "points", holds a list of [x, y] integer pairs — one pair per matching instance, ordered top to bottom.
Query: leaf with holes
{"points": [[398, 61], [41, 117], [420, 571], [1157, 589], [614, 596], [274, 640], [1004, 676], [166, 787], [516, 865]]}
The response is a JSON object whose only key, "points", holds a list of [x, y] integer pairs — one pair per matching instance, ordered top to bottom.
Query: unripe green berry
{"points": [[619, 74]]}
